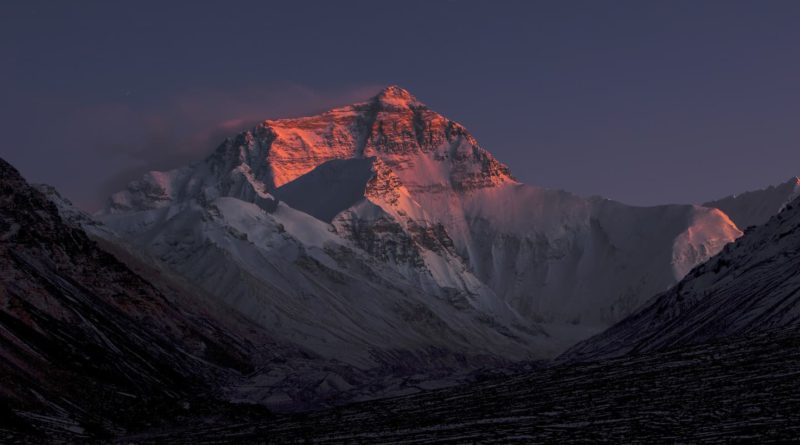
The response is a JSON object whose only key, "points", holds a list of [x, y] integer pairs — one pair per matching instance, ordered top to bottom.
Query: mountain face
{"points": [[757, 207], [383, 226], [749, 288]]}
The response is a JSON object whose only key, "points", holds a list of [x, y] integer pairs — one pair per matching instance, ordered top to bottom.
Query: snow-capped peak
{"points": [[394, 96], [415, 193]]}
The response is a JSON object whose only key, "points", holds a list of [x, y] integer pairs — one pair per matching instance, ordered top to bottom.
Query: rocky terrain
{"points": [[741, 390]]}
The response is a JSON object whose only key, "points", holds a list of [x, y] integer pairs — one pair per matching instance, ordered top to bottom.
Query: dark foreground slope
{"points": [[89, 349], [716, 392]]}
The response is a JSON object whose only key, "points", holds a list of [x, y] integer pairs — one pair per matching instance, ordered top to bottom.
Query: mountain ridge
{"points": [[753, 208]]}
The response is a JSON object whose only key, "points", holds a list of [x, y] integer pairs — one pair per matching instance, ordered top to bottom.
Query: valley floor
{"points": [[747, 389]]}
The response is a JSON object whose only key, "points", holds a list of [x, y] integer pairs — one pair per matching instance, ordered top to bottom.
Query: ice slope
{"points": [[758, 206], [437, 210], [750, 287]]}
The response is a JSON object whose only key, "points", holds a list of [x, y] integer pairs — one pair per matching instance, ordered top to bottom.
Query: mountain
{"points": [[756, 207], [383, 229], [377, 250], [749, 288]]}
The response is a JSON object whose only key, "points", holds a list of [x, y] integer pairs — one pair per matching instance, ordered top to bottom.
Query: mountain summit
{"points": [[393, 95], [425, 149]]}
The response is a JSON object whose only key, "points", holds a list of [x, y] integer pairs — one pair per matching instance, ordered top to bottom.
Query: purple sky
{"points": [[645, 102]]}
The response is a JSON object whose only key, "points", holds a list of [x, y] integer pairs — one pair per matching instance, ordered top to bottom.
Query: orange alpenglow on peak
{"points": [[393, 95]]}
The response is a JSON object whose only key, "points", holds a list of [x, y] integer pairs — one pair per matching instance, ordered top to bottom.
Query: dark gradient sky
{"points": [[646, 102]]}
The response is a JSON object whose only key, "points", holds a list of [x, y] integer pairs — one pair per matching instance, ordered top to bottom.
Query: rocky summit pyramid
{"points": [[383, 229]]}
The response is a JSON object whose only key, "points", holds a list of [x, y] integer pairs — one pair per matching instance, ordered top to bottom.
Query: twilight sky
{"points": [[647, 102]]}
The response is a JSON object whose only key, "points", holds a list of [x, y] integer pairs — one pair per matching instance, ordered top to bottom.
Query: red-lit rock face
{"points": [[425, 150]]}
